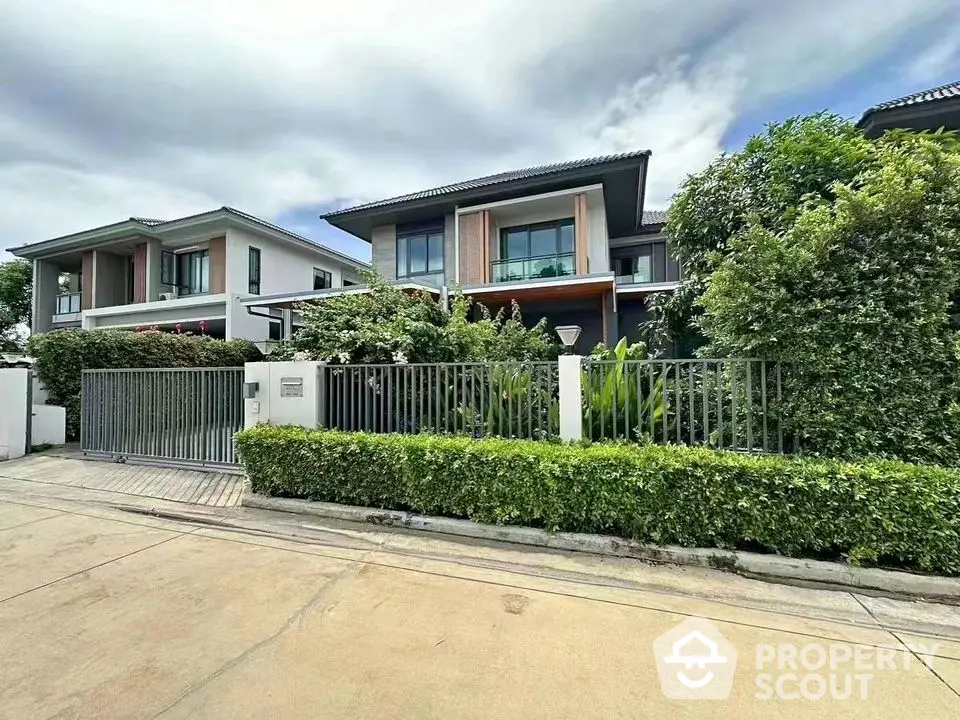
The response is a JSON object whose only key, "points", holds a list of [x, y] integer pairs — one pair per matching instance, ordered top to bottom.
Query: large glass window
{"points": [[532, 251], [419, 254], [646, 263], [168, 268], [254, 271], [193, 272], [322, 279]]}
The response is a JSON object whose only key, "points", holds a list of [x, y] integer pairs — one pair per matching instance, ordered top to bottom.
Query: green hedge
{"points": [[62, 355], [888, 513]]}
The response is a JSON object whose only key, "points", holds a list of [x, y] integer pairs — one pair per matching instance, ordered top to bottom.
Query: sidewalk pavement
{"points": [[109, 611]]}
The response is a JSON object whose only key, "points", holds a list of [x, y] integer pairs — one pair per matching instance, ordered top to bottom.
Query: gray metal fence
{"points": [[508, 399], [731, 403], [186, 415]]}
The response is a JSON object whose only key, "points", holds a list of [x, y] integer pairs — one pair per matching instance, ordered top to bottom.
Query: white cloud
{"points": [[934, 61], [110, 108]]}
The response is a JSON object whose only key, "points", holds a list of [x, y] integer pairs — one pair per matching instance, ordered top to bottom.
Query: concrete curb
{"points": [[768, 567]]}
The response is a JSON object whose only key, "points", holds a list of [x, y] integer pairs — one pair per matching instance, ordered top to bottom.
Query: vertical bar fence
{"points": [[509, 399], [732, 404], [187, 415]]}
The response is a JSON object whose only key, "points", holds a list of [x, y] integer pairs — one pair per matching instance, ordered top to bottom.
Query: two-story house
{"points": [[570, 242], [143, 272]]}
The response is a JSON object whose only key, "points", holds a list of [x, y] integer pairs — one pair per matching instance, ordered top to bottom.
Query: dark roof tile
{"points": [[943, 92], [488, 180], [654, 217]]}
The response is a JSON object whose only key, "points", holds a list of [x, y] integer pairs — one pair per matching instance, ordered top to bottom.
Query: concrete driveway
{"points": [[236, 613]]}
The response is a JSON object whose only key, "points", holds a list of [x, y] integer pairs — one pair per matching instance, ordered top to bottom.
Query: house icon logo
{"points": [[695, 661]]}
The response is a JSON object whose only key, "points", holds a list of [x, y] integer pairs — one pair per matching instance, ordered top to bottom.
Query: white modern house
{"points": [[192, 272]]}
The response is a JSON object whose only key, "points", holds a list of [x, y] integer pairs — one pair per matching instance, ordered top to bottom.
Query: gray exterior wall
{"points": [[384, 241], [449, 249], [384, 250], [46, 278], [110, 279]]}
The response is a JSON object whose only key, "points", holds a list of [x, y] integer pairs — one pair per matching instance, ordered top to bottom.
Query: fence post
{"points": [[571, 397]]}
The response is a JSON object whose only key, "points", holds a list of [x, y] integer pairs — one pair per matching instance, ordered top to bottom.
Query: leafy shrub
{"points": [[856, 297], [389, 325], [62, 355], [886, 512]]}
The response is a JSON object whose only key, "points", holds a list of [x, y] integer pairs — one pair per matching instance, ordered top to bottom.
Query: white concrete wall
{"points": [[598, 253], [283, 267], [190, 308], [241, 324], [14, 390], [272, 405], [49, 425]]}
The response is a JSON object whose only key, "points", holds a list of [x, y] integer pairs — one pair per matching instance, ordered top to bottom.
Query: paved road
{"points": [[234, 613]]}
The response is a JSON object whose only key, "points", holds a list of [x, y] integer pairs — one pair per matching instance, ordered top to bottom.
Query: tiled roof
{"points": [[943, 92], [488, 180], [654, 217], [158, 225]]}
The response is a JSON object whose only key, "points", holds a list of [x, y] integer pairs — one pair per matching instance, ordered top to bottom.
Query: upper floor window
{"points": [[420, 249], [533, 251], [649, 262], [168, 268], [254, 271], [193, 272], [322, 279], [347, 282]]}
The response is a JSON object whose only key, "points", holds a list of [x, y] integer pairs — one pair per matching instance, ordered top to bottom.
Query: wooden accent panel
{"points": [[580, 232], [472, 233], [217, 247], [140, 273], [86, 280]]}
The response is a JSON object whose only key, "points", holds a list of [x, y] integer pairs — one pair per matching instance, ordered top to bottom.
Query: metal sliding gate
{"points": [[187, 415]]}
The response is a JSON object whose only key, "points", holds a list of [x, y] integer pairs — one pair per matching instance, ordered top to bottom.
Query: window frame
{"points": [[529, 228], [429, 232], [254, 270], [325, 275], [170, 279], [185, 288]]}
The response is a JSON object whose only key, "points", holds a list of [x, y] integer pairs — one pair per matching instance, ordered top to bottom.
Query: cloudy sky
{"points": [[287, 108]]}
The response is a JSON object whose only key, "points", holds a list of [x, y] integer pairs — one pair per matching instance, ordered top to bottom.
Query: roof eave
{"points": [[346, 220]]}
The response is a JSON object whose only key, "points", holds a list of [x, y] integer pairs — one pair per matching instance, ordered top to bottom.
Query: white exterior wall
{"points": [[598, 252], [284, 268], [14, 389], [49, 425]]}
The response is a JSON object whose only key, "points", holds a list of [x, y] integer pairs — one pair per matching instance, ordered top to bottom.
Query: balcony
{"points": [[538, 266]]}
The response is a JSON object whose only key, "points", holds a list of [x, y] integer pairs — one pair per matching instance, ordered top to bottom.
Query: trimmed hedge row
{"points": [[62, 355], [886, 512]]}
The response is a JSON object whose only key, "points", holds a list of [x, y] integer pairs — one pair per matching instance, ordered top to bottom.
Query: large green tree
{"points": [[764, 185], [16, 283], [851, 286]]}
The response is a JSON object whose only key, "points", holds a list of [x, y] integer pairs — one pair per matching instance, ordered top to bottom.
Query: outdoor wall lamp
{"points": [[568, 336]]}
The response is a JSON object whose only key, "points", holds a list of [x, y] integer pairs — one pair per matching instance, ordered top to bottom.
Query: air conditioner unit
{"points": [[168, 295]]}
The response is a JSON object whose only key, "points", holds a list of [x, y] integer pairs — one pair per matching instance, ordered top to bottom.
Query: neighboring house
{"points": [[931, 109], [569, 242], [143, 272]]}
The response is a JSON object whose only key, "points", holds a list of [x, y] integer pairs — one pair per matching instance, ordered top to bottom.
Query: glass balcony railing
{"points": [[541, 266], [67, 304]]}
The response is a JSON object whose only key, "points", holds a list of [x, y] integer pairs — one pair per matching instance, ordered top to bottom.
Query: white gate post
{"points": [[571, 397]]}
